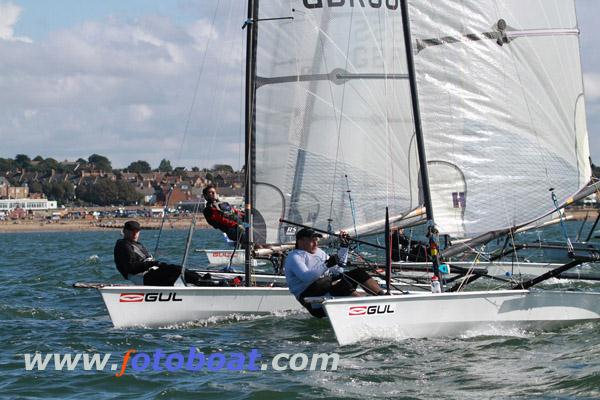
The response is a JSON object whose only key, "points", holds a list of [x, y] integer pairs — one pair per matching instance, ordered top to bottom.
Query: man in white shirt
{"points": [[310, 272]]}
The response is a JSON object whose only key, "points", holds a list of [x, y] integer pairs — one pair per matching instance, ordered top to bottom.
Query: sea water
{"points": [[41, 312]]}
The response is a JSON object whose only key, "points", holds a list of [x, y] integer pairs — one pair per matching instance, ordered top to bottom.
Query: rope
{"points": [[352, 209], [162, 222], [562, 224]]}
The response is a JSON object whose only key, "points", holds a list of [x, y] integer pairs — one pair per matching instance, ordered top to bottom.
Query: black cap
{"points": [[132, 226], [307, 233]]}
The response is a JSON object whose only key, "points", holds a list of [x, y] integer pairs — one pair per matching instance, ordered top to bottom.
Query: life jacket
{"points": [[222, 216]]}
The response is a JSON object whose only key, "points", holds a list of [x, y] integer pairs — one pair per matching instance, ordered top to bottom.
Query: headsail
{"points": [[503, 111], [332, 115]]}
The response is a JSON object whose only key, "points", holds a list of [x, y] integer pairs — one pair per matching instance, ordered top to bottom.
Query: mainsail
{"points": [[502, 106], [333, 118]]}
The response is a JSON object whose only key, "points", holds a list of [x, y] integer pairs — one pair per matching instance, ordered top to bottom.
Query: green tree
{"points": [[38, 158], [22, 161], [82, 163], [102, 163], [6, 164], [49, 164], [139, 166], [165, 166], [222, 167], [195, 169], [179, 171], [595, 171], [36, 187], [57, 191], [69, 191], [106, 192], [127, 193]]}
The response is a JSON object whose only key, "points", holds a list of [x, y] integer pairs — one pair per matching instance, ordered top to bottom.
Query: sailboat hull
{"points": [[223, 257], [158, 306], [456, 314]]}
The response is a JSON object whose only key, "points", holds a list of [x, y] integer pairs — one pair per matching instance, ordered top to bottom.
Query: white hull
{"points": [[223, 257], [500, 269], [155, 306], [455, 314]]}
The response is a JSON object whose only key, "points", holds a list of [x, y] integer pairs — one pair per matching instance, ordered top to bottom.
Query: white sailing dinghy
{"points": [[500, 115], [321, 150], [130, 306]]}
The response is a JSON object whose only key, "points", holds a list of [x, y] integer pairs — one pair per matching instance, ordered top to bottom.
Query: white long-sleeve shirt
{"points": [[303, 268]]}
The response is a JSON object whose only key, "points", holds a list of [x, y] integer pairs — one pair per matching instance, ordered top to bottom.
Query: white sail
{"points": [[501, 97], [332, 115]]}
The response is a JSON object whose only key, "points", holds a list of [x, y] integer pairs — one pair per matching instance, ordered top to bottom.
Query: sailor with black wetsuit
{"points": [[136, 263]]}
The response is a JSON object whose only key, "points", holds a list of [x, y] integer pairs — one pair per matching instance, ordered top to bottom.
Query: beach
{"points": [[79, 225], [82, 225]]}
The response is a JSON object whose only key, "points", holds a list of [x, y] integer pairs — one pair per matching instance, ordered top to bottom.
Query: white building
{"points": [[28, 204]]}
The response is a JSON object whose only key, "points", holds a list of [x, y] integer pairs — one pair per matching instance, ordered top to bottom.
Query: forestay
{"points": [[501, 97], [332, 115]]}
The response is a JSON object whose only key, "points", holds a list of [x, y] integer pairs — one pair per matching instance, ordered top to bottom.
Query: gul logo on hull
{"points": [[222, 254], [131, 297], [148, 297], [371, 310]]}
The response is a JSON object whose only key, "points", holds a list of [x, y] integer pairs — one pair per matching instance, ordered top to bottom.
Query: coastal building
{"points": [[3, 187], [18, 192], [8, 205]]}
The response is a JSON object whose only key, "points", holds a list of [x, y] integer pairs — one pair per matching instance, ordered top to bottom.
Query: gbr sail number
{"points": [[389, 4]]}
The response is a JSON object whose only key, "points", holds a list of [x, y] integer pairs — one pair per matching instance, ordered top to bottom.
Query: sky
{"points": [[152, 79]]}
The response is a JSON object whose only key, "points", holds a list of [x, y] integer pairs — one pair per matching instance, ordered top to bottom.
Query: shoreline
{"points": [[80, 225], [24, 226]]}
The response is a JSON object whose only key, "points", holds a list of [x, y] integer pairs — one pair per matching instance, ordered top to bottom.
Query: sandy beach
{"points": [[78, 225]]}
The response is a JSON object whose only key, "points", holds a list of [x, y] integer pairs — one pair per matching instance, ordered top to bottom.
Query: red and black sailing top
{"points": [[222, 216]]}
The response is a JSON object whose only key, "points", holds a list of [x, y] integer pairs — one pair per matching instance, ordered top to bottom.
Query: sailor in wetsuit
{"points": [[222, 215], [136, 263], [310, 272]]}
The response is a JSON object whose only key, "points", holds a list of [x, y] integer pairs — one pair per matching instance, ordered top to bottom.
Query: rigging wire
{"points": [[197, 85], [341, 119], [186, 127], [351, 206], [162, 221]]}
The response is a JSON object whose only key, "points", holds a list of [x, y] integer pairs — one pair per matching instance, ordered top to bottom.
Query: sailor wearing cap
{"points": [[136, 263], [310, 272]]}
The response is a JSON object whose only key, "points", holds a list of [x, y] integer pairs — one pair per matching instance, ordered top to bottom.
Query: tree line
{"points": [[95, 162], [103, 192]]}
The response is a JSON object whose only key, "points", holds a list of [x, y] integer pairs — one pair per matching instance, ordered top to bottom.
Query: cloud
{"points": [[9, 15], [592, 86], [125, 89], [141, 112]]}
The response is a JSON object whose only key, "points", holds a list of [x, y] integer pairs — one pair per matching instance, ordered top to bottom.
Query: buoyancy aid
{"points": [[222, 216]]}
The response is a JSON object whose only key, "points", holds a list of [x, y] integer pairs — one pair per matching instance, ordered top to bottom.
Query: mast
{"points": [[251, 33], [431, 229]]}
